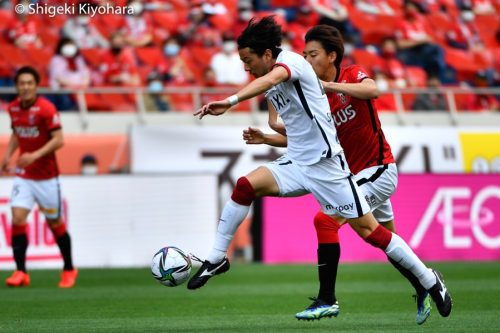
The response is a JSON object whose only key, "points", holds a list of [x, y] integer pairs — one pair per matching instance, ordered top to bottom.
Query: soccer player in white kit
{"points": [[314, 163]]}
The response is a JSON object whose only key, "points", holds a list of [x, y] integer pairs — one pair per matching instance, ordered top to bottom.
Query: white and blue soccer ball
{"points": [[171, 266]]}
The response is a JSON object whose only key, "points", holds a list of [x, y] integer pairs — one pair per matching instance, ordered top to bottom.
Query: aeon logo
{"points": [[474, 216], [42, 245]]}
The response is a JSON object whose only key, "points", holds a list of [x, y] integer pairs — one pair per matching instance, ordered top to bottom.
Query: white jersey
{"points": [[303, 106]]}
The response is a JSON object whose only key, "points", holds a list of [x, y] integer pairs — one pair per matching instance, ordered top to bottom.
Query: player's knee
{"points": [[243, 192], [326, 228]]}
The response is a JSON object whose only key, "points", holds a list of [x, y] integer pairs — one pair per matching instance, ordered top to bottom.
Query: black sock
{"points": [[64, 243], [19, 246], [328, 262], [409, 276]]}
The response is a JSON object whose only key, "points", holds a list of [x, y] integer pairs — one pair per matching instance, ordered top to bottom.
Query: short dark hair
{"points": [[260, 35], [330, 38], [27, 70]]}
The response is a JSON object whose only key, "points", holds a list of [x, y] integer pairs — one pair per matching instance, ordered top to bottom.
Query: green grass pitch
{"points": [[249, 298]]}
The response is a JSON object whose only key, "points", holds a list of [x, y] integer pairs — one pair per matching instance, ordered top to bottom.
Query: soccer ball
{"points": [[170, 266]]}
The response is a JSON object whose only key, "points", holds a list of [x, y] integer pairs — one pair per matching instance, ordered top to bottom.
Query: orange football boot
{"points": [[68, 278], [18, 279]]}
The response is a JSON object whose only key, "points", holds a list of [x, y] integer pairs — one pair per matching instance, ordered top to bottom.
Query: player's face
{"points": [[321, 62], [257, 65], [26, 87]]}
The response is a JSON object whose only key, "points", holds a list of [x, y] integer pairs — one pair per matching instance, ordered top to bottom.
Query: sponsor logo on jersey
{"points": [[361, 76], [342, 116], [27, 131], [341, 208]]}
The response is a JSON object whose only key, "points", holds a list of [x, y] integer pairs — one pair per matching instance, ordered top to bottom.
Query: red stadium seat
{"points": [[166, 20], [152, 56], [40, 57], [93, 57], [366, 59], [416, 76]]}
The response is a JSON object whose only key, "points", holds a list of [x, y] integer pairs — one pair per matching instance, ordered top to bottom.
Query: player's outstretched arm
{"points": [[254, 88], [366, 89], [55, 142], [11, 148]]}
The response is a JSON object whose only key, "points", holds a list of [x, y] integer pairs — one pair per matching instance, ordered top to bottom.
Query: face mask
{"points": [[136, 8], [246, 15], [468, 15], [83, 20], [229, 46], [348, 48], [172, 49], [69, 50], [382, 84], [155, 86], [89, 170]]}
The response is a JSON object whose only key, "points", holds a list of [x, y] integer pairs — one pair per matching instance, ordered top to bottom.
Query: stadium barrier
{"points": [[120, 221]]}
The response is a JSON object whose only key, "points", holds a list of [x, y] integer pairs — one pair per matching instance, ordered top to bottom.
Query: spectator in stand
{"points": [[374, 7], [479, 7], [245, 13], [334, 13], [137, 27], [22, 31], [199, 31], [464, 34], [86, 36], [415, 43], [119, 65], [227, 65], [390, 65], [67, 70], [178, 70], [155, 99], [435, 100], [481, 101]]}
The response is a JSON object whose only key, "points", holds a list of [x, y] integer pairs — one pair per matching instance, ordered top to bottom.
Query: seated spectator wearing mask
{"points": [[227, 65], [67, 70]]}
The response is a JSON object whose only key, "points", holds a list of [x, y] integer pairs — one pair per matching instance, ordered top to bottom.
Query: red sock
{"points": [[326, 228], [19, 229], [59, 230], [380, 237]]}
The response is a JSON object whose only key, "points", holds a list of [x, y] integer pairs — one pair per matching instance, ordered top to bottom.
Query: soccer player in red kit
{"points": [[350, 92], [37, 133]]}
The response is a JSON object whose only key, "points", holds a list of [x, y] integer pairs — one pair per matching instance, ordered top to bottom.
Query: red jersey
{"points": [[358, 125], [32, 127]]}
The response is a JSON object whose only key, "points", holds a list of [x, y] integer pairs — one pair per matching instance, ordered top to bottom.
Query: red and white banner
{"points": [[442, 217]]}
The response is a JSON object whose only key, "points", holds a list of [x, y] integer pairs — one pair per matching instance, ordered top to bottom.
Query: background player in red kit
{"points": [[350, 92], [37, 133]]}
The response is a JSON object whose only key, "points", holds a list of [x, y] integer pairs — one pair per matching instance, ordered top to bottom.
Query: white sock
{"points": [[232, 216], [399, 251]]}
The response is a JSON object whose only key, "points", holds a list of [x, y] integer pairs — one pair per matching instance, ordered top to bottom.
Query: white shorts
{"points": [[329, 180], [378, 184], [46, 193]]}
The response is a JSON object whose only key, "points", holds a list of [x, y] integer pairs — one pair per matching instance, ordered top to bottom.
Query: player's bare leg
{"points": [[259, 182], [20, 277]]}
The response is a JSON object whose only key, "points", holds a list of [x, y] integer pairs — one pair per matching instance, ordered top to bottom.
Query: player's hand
{"points": [[214, 108], [253, 136], [26, 159], [5, 167]]}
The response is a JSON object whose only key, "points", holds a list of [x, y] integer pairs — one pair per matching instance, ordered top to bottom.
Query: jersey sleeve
{"points": [[292, 66], [357, 74], [51, 117]]}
